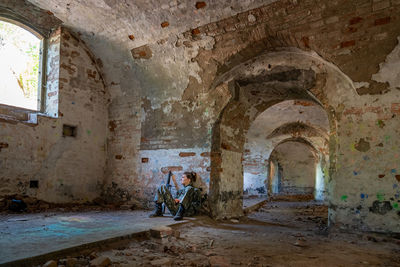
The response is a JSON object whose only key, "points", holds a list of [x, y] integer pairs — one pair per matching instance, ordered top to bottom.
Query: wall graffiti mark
{"points": [[380, 123], [380, 196], [380, 207]]}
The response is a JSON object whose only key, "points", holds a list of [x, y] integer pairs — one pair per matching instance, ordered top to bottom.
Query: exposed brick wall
{"points": [[347, 33]]}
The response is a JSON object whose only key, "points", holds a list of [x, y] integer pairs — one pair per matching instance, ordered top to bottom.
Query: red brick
{"points": [[200, 5], [355, 20], [382, 21], [165, 24], [195, 31], [306, 41], [347, 43], [303, 103], [396, 108], [374, 109], [355, 111], [112, 125], [3, 145], [225, 146], [187, 154], [205, 154], [145, 160], [165, 170]]}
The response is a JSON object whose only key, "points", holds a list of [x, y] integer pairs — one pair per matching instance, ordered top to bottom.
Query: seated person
{"points": [[186, 201]]}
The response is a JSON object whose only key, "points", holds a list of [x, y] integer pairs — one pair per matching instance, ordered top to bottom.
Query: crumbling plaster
{"points": [[354, 36]]}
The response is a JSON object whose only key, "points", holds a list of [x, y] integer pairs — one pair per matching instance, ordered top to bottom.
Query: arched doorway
{"points": [[256, 85], [302, 122]]}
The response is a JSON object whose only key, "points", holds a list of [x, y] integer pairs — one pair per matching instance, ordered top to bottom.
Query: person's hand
{"points": [[177, 200]]}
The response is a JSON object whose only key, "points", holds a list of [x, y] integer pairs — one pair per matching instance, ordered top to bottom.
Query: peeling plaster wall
{"points": [[178, 85], [298, 164], [68, 169], [366, 188]]}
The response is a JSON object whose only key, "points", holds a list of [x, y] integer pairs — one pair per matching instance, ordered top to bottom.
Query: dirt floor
{"points": [[279, 234]]}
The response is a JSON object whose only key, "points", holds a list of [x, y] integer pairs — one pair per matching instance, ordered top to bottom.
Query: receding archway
{"points": [[257, 85], [296, 119], [297, 160]]}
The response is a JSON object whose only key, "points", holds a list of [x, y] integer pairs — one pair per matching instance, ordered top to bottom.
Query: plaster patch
{"points": [[389, 70], [361, 84]]}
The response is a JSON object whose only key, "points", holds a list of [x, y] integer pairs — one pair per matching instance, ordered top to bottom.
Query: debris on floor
{"points": [[269, 237]]}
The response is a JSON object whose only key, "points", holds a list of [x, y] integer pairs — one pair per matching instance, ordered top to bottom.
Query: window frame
{"points": [[41, 96]]}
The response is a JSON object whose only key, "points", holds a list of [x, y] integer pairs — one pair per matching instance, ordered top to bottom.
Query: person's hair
{"points": [[191, 176]]}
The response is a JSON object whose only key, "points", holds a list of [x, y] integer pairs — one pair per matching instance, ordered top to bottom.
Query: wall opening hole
{"points": [[69, 130], [33, 184]]}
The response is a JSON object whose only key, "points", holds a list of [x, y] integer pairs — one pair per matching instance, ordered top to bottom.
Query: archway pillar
{"points": [[227, 189]]}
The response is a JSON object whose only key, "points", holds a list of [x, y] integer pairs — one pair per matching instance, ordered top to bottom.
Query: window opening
{"points": [[20, 66]]}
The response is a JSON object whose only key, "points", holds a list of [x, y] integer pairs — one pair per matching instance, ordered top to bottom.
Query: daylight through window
{"points": [[20, 61]]}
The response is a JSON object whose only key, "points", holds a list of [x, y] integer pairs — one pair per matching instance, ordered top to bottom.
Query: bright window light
{"points": [[19, 67]]}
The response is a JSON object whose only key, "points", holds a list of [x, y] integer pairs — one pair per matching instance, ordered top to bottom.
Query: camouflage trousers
{"points": [[163, 195]]}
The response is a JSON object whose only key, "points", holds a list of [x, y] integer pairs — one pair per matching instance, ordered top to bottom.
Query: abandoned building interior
{"points": [[287, 110]]}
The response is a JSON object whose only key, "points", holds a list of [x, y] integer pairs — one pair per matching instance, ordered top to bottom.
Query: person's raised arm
{"points": [[175, 183]]}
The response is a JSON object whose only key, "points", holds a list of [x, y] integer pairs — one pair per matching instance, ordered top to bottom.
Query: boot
{"points": [[157, 210], [179, 214]]}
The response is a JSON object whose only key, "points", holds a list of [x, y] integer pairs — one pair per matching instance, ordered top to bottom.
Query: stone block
{"points": [[161, 232], [101, 261], [50, 264]]}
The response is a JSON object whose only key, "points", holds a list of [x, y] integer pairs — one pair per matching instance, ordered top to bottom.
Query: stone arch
{"points": [[255, 85], [296, 119], [276, 160]]}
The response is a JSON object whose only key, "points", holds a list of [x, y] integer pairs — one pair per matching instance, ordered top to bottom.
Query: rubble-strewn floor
{"points": [[280, 234], [26, 235]]}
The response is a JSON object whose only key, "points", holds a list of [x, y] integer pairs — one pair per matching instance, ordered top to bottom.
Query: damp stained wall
{"points": [[167, 93], [68, 169]]}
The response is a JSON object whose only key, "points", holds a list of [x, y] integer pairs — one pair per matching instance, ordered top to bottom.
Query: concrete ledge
{"points": [[32, 239], [85, 248]]}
